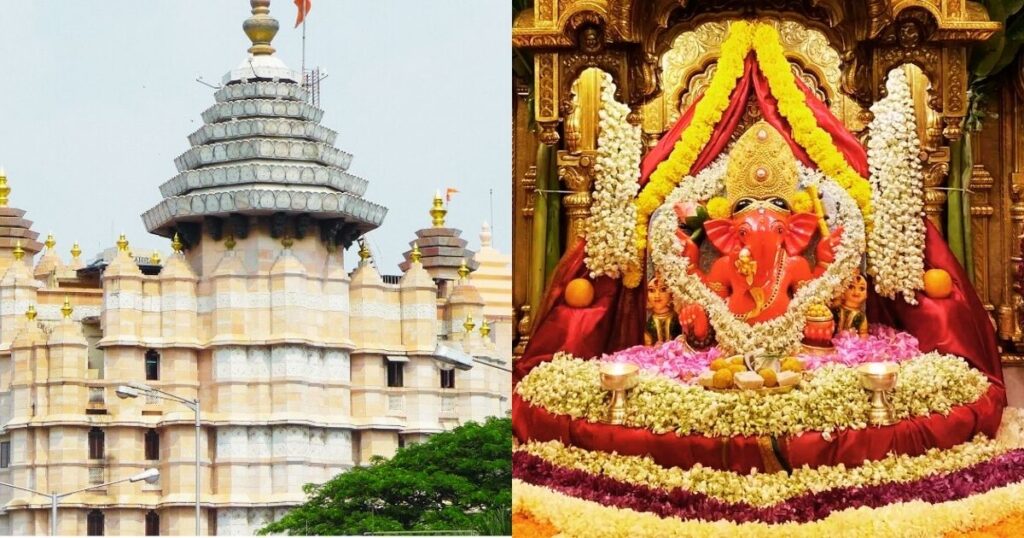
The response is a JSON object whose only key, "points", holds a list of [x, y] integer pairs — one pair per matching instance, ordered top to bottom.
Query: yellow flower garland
{"points": [[771, 58], [705, 117], [806, 132]]}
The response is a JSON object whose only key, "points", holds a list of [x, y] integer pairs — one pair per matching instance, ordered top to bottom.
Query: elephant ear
{"points": [[801, 229], [722, 234]]}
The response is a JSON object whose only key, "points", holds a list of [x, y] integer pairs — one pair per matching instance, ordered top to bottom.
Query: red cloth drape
{"points": [[957, 325]]}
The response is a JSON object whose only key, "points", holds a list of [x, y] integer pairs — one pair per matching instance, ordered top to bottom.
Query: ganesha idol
{"points": [[763, 240]]}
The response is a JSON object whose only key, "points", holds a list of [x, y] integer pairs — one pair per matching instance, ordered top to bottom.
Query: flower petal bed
{"points": [[831, 399]]}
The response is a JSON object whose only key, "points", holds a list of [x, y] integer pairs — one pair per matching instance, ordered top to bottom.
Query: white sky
{"points": [[97, 99]]}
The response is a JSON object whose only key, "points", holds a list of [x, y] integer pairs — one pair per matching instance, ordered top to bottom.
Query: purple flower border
{"points": [[997, 472]]}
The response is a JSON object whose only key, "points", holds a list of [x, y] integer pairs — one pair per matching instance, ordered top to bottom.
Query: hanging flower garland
{"points": [[792, 105], [706, 115], [898, 190], [610, 225], [782, 334]]}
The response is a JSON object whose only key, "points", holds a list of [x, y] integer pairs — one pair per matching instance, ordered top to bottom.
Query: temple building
{"points": [[304, 364]]}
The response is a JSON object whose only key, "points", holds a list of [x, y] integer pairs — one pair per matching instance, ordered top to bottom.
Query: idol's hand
{"points": [[689, 249], [826, 250], [694, 320]]}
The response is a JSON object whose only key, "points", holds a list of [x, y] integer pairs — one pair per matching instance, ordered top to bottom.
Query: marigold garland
{"points": [[793, 106], [706, 116]]}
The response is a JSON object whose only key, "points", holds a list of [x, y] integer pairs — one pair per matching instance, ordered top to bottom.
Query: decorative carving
{"points": [[591, 38], [546, 84], [549, 133], [577, 173], [980, 185], [530, 189], [523, 328]]}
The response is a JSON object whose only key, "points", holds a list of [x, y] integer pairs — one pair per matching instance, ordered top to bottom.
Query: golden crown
{"points": [[761, 166]]}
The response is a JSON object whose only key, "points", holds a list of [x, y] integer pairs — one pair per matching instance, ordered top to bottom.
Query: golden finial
{"points": [[261, 28], [5, 190], [437, 212], [287, 241], [50, 242], [230, 243], [122, 244], [176, 244], [76, 251], [364, 251], [19, 252], [416, 256], [154, 258], [463, 270], [66, 310], [30, 314], [468, 324], [485, 329]]}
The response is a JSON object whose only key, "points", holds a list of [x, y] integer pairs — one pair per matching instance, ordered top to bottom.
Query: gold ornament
{"points": [[260, 28], [761, 166], [5, 190], [437, 212], [286, 241], [50, 242], [229, 243], [122, 244], [176, 244], [76, 251], [364, 251], [19, 252], [416, 256], [154, 258], [463, 270], [67, 310], [30, 314], [468, 324], [485, 329]]}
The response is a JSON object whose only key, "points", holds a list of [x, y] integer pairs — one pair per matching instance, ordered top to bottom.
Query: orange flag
{"points": [[303, 6], [448, 194]]}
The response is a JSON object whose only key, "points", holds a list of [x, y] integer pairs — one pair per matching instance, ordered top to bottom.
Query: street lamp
{"points": [[134, 390], [149, 476]]}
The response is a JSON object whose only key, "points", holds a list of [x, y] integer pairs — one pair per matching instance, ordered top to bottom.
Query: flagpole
{"points": [[304, 43]]}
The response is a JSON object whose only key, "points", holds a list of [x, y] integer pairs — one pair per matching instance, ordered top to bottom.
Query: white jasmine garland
{"points": [[609, 229], [896, 244], [779, 335], [831, 398]]}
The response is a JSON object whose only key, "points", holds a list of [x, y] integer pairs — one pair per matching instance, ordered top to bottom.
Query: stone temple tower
{"points": [[302, 368]]}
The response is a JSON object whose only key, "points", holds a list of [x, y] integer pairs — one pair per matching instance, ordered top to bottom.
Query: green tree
{"points": [[456, 480]]}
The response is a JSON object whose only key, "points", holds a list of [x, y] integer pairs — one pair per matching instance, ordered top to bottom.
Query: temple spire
{"points": [[261, 28]]}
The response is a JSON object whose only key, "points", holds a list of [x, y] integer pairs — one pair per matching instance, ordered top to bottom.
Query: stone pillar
{"points": [[228, 286], [18, 291], [122, 299], [178, 302], [367, 303], [419, 309], [289, 317], [335, 328]]}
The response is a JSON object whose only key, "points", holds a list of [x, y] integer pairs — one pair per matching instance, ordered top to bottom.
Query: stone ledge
{"points": [[261, 90], [269, 108], [262, 127], [262, 148], [264, 172]]}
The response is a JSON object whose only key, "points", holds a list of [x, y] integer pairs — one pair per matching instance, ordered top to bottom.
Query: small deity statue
{"points": [[850, 315], [662, 323]]}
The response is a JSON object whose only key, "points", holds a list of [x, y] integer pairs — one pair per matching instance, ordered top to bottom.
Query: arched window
{"points": [[152, 365], [96, 441], [152, 445], [94, 523], [152, 523]]}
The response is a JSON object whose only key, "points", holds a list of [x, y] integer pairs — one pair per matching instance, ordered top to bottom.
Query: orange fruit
{"points": [[937, 283], [579, 293], [718, 364], [737, 368], [770, 379]]}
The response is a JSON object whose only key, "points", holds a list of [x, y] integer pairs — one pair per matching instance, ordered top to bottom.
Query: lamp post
{"points": [[133, 390], [149, 475]]}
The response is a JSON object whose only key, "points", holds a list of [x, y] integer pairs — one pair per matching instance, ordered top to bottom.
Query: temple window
{"points": [[152, 365], [396, 371], [448, 379], [96, 442], [152, 445], [5, 454], [94, 523], [152, 523]]}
